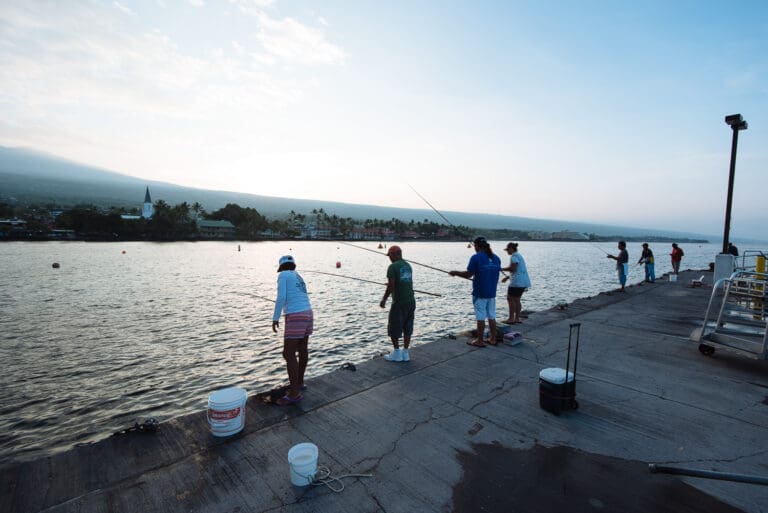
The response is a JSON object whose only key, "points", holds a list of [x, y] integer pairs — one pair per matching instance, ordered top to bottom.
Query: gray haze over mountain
{"points": [[32, 177]]}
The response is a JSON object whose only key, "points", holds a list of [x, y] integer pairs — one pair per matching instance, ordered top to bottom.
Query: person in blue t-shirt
{"points": [[484, 268]]}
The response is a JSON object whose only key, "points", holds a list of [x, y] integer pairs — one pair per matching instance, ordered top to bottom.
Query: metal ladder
{"points": [[740, 324]]}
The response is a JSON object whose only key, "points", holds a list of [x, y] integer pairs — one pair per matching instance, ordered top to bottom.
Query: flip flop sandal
{"points": [[474, 343], [287, 400]]}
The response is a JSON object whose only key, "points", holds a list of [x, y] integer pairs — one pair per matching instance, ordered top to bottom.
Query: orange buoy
{"points": [[469, 245], [380, 246], [123, 252], [338, 264]]}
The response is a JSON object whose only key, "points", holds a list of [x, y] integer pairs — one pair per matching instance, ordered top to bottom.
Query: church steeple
{"points": [[147, 210]]}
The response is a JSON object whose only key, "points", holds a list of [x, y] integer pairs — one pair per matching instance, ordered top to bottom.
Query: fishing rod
{"points": [[432, 207], [441, 215], [598, 247], [407, 260], [367, 281]]}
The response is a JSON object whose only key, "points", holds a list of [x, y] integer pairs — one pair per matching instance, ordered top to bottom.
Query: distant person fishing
{"points": [[677, 256], [646, 258], [622, 264]]}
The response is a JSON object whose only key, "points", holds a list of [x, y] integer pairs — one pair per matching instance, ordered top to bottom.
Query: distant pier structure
{"points": [[147, 209]]}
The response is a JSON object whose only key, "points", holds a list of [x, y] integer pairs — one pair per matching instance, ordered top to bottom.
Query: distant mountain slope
{"points": [[32, 177]]}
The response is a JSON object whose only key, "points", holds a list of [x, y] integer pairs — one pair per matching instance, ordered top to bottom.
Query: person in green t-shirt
{"points": [[400, 285]]}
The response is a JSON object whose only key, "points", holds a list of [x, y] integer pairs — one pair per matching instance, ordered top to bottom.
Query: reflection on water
{"points": [[110, 338]]}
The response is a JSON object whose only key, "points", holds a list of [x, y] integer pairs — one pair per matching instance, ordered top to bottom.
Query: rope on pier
{"points": [[323, 477]]}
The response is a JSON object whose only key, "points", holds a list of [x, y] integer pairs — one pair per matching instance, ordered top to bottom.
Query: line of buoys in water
{"points": [[55, 265]]}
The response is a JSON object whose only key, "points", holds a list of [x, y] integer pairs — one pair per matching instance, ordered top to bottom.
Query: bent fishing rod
{"points": [[432, 207], [441, 215], [406, 259], [367, 281]]}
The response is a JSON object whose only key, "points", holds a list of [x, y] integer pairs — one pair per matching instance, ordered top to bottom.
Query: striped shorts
{"points": [[299, 324]]}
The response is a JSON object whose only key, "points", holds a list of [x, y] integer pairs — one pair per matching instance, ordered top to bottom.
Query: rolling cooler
{"points": [[557, 387]]}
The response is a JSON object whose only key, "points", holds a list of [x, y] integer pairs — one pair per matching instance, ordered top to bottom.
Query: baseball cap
{"points": [[479, 241], [512, 245], [394, 249], [287, 259]]}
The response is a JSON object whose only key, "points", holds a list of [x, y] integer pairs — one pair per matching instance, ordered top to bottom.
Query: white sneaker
{"points": [[395, 356], [406, 356]]}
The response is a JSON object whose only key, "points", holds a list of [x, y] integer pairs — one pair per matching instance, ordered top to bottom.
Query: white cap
{"points": [[287, 259]]}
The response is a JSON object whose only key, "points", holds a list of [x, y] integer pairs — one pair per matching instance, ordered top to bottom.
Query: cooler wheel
{"points": [[706, 350]]}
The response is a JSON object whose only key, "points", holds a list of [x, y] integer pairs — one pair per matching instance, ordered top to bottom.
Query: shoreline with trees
{"points": [[184, 222]]}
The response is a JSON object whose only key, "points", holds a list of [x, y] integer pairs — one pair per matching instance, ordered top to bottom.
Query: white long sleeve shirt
{"points": [[291, 294]]}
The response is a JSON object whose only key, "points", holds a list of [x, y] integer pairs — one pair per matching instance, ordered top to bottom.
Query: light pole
{"points": [[736, 123]]}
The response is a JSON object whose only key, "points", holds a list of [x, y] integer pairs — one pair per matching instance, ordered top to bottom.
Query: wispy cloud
{"points": [[197, 3], [252, 6], [124, 9], [294, 41], [85, 56]]}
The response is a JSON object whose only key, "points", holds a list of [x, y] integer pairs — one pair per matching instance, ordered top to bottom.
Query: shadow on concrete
{"points": [[501, 480]]}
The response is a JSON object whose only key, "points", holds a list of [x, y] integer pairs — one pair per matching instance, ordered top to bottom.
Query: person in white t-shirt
{"points": [[519, 281], [292, 299]]}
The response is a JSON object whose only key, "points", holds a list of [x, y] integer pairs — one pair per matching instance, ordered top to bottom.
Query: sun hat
{"points": [[394, 249], [287, 259]]}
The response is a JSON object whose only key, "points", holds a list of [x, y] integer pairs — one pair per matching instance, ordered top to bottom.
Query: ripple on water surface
{"points": [[111, 338]]}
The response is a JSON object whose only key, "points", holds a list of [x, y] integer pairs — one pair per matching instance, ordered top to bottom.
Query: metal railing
{"points": [[750, 260], [741, 323]]}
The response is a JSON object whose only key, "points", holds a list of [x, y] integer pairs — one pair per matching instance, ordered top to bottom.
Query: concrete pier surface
{"points": [[459, 428]]}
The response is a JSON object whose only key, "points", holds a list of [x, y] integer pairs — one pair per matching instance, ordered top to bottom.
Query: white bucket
{"points": [[672, 277], [226, 411], [302, 458]]}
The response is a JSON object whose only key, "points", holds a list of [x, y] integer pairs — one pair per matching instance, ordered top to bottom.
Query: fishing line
{"points": [[406, 259], [366, 281], [254, 295]]}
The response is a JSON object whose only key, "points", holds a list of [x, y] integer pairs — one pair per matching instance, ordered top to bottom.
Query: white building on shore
{"points": [[147, 209]]}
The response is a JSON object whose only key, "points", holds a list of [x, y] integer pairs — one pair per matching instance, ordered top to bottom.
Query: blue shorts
{"points": [[485, 308]]}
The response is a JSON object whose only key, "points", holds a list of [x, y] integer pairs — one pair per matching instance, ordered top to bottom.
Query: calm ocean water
{"points": [[125, 331]]}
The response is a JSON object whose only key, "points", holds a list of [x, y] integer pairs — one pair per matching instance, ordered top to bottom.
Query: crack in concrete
{"points": [[501, 390], [395, 443], [720, 460]]}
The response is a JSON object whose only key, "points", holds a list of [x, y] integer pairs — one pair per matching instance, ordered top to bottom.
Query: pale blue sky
{"points": [[607, 112]]}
